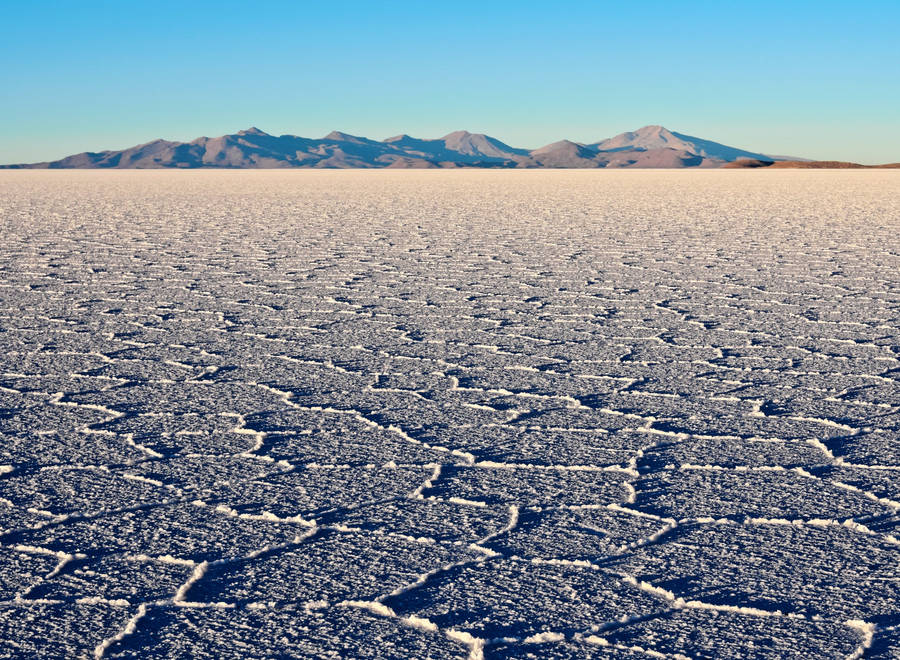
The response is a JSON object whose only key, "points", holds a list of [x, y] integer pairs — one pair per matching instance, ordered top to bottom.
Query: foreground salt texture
{"points": [[450, 414]]}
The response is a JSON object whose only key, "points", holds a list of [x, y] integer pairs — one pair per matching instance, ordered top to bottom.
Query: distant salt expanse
{"points": [[489, 414]]}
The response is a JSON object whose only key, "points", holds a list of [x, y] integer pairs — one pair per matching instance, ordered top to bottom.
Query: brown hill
{"points": [[745, 163], [816, 165]]}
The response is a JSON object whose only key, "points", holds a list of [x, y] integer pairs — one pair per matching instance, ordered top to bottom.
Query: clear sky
{"points": [[815, 79]]}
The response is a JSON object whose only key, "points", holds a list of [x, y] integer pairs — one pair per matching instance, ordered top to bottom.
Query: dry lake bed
{"points": [[452, 414]]}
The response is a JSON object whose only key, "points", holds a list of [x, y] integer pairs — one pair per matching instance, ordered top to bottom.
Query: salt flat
{"points": [[532, 414]]}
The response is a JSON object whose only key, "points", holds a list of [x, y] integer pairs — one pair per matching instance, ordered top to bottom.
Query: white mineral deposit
{"points": [[450, 414]]}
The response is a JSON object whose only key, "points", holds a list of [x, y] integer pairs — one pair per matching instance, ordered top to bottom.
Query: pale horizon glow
{"points": [[813, 80]]}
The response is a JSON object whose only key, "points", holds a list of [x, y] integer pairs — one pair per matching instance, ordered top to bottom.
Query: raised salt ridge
{"points": [[455, 414]]}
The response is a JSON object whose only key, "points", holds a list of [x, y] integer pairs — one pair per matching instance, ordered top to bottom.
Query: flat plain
{"points": [[470, 414]]}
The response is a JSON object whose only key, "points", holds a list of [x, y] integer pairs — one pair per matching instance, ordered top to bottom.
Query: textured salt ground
{"points": [[455, 414]]}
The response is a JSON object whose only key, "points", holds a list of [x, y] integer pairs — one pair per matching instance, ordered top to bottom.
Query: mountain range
{"points": [[647, 147]]}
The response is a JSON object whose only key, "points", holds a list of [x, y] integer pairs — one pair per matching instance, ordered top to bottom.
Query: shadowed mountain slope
{"points": [[657, 137], [648, 147]]}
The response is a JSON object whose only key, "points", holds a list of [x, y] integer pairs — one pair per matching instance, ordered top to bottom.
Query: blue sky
{"points": [[814, 79]]}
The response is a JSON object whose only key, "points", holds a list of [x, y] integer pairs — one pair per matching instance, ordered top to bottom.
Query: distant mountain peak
{"points": [[653, 133], [655, 136], [345, 137], [480, 145], [558, 146], [648, 146]]}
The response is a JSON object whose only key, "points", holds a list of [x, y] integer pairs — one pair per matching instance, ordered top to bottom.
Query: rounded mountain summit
{"points": [[648, 147]]}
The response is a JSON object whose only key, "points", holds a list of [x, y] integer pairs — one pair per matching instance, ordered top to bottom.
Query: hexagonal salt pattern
{"points": [[463, 414]]}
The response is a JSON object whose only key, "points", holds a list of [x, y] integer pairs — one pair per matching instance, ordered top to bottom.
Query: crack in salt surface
{"points": [[327, 341]]}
